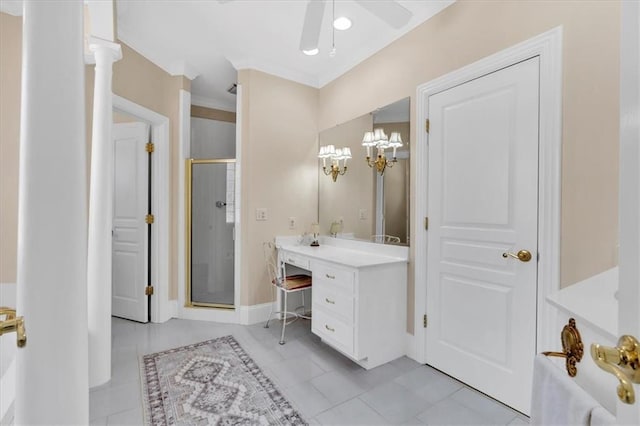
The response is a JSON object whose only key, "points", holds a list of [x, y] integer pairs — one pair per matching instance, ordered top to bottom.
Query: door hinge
{"points": [[426, 125], [150, 147], [149, 219], [426, 223], [148, 290], [424, 321]]}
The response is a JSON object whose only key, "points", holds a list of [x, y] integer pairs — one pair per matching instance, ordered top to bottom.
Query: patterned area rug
{"points": [[211, 383]]}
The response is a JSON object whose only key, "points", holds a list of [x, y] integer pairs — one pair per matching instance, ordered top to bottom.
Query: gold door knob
{"points": [[522, 255]]}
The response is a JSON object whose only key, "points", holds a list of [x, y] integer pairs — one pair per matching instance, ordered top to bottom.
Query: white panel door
{"points": [[483, 203], [129, 227]]}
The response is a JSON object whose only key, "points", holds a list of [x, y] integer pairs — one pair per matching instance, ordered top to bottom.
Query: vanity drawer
{"points": [[296, 260], [335, 278], [339, 303], [332, 330]]}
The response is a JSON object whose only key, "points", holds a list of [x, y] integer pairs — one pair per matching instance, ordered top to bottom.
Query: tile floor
{"points": [[325, 387]]}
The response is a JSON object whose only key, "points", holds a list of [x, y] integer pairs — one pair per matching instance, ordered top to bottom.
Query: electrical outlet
{"points": [[261, 213], [363, 214], [292, 223]]}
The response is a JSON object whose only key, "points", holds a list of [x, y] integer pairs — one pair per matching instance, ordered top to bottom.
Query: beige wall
{"points": [[470, 30], [10, 60], [134, 78], [279, 169], [352, 192]]}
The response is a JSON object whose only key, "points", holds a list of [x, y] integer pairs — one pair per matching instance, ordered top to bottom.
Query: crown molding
{"points": [[183, 68]]}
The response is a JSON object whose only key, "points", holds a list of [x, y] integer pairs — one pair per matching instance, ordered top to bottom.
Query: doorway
{"points": [[210, 213], [545, 213], [482, 239], [131, 254], [158, 275]]}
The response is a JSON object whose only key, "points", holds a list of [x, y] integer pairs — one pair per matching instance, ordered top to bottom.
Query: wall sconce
{"points": [[378, 139], [335, 156]]}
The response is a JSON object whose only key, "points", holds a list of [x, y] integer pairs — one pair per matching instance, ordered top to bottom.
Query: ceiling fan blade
{"points": [[391, 12], [312, 23]]}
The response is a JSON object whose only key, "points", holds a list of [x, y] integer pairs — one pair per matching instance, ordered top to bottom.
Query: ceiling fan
{"points": [[391, 12]]}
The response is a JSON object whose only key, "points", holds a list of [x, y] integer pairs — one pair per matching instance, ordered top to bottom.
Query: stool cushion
{"points": [[295, 282]]}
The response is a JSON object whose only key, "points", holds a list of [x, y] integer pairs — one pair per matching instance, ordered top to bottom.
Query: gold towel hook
{"points": [[572, 347]]}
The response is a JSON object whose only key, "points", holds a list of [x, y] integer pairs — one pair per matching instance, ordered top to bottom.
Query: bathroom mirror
{"points": [[362, 203]]}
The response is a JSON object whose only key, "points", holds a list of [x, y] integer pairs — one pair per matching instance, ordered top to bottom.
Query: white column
{"points": [[629, 207], [101, 214], [52, 371]]}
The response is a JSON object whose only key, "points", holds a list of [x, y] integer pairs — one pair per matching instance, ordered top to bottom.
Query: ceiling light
{"points": [[342, 23], [311, 52]]}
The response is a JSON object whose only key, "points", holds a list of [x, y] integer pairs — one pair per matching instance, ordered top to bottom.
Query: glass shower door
{"points": [[210, 243]]}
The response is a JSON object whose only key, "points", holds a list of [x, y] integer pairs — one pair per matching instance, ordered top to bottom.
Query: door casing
{"points": [[548, 47], [161, 309]]}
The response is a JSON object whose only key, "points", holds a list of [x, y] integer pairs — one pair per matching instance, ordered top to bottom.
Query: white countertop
{"points": [[351, 257], [592, 301]]}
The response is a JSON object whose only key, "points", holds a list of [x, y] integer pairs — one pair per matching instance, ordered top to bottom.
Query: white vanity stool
{"points": [[359, 295]]}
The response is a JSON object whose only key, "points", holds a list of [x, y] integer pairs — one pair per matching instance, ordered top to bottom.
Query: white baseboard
{"points": [[173, 309], [254, 314], [245, 315], [228, 316], [410, 347]]}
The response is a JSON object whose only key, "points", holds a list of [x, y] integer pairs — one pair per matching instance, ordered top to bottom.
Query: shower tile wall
{"points": [[212, 139]]}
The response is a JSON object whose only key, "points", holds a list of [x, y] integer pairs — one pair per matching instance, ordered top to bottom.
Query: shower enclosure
{"points": [[210, 213]]}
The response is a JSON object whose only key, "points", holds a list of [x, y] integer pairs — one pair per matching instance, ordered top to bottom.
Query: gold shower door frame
{"points": [[188, 303]]}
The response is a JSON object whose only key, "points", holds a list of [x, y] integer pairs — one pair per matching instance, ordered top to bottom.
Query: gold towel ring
{"points": [[572, 347]]}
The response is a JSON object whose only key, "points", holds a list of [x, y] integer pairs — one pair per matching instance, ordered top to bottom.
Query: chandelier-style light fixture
{"points": [[378, 139], [335, 156]]}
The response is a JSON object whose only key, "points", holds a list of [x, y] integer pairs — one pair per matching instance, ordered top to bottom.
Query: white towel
{"points": [[557, 399], [601, 417]]}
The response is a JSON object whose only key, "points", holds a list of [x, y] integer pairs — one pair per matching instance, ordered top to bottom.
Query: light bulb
{"points": [[342, 23]]}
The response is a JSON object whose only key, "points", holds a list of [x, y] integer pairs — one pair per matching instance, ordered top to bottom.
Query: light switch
{"points": [[261, 213]]}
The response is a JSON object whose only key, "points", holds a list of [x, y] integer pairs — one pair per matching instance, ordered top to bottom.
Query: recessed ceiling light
{"points": [[342, 23], [311, 52]]}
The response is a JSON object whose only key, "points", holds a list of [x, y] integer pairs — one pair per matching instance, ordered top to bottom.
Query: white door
{"points": [[483, 204], [129, 227]]}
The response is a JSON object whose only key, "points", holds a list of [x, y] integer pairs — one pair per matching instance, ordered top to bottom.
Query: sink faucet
{"points": [[13, 323]]}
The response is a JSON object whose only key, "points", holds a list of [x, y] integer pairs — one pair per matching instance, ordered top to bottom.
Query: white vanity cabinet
{"points": [[358, 300]]}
